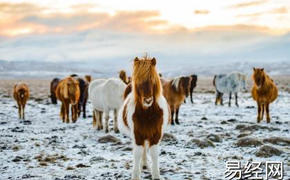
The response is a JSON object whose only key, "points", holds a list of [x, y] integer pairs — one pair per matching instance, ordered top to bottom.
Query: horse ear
{"points": [[153, 61], [254, 69], [262, 69]]}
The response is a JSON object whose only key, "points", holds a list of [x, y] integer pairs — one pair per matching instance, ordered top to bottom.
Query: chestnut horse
{"points": [[53, 85], [264, 91], [68, 92], [175, 92], [21, 95], [144, 115]]}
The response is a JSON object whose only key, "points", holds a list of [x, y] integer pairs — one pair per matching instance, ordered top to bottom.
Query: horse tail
{"points": [[214, 80], [65, 90]]}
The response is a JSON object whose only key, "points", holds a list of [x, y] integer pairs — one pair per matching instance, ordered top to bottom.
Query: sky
{"points": [[79, 30]]}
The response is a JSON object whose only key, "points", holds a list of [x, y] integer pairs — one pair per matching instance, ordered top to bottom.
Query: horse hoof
{"points": [[177, 122], [107, 131], [117, 131], [144, 167]]}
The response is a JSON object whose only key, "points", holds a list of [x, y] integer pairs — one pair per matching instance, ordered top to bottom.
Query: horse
{"points": [[123, 77], [229, 83], [53, 85], [83, 85], [192, 85], [68, 92], [175, 92], [264, 92], [21, 95], [106, 95], [144, 115]]}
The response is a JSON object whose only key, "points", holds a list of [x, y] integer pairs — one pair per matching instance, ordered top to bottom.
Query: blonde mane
{"points": [[144, 70], [175, 82]]}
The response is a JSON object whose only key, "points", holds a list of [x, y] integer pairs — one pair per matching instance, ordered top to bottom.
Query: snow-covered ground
{"points": [[42, 147]]}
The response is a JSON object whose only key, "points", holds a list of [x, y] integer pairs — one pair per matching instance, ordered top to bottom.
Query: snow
{"points": [[78, 143]]}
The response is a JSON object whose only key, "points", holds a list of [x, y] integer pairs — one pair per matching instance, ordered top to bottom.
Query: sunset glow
{"points": [[156, 16]]}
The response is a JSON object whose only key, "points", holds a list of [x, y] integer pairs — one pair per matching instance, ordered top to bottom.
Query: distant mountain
{"points": [[38, 69]]}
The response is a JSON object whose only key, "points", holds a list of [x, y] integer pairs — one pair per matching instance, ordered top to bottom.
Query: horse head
{"points": [[258, 76], [146, 82], [72, 90]]}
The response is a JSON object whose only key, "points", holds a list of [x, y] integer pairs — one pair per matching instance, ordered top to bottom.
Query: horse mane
{"points": [[144, 70], [175, 82]]}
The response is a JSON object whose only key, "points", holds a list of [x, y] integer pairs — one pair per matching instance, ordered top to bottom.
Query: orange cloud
{"points": [[247, 4], [281, 10], [201, 11]]}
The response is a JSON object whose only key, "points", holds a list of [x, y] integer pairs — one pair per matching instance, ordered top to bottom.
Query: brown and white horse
{"points": [[264, 91], [68, 92], [175, 92], [21, 95], [145, 115]]}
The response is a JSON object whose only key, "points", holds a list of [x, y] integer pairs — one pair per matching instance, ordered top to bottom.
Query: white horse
{"points": [[229, 83], [106, 95]]}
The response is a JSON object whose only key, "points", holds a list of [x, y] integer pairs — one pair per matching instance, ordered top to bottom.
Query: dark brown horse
{"points": [[53, 85], [192, 85], [83, 86], [264, 91], [68, 92], [21, 95]]}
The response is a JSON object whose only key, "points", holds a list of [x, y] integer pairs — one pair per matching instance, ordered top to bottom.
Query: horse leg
{"points": [[236, 97], [216, 98], [230, 98], [221, 99], [263, 106], [19, 110], [66, 110], [84, 110], [259, 112], [268, 113], [23, 114], [172, 114], [74, 115], [176, 115], [62, 116], [94, 118], [101, 119], [107, 121], [116, 121], [154, 152], [137, 154], [144, 158]]}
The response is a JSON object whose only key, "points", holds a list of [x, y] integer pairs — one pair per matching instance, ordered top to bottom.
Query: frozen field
{"points": [[42, 147]]}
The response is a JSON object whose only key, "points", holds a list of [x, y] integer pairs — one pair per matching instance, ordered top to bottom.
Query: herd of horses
{"points": [[145, 103]]}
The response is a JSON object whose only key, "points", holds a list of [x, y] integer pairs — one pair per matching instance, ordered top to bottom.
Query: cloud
{"points": [[248, 4], [281, 10], [201, 11], [25, 18]]}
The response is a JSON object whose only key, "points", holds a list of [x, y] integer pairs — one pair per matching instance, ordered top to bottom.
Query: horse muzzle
{"points": [[147, 102]]}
